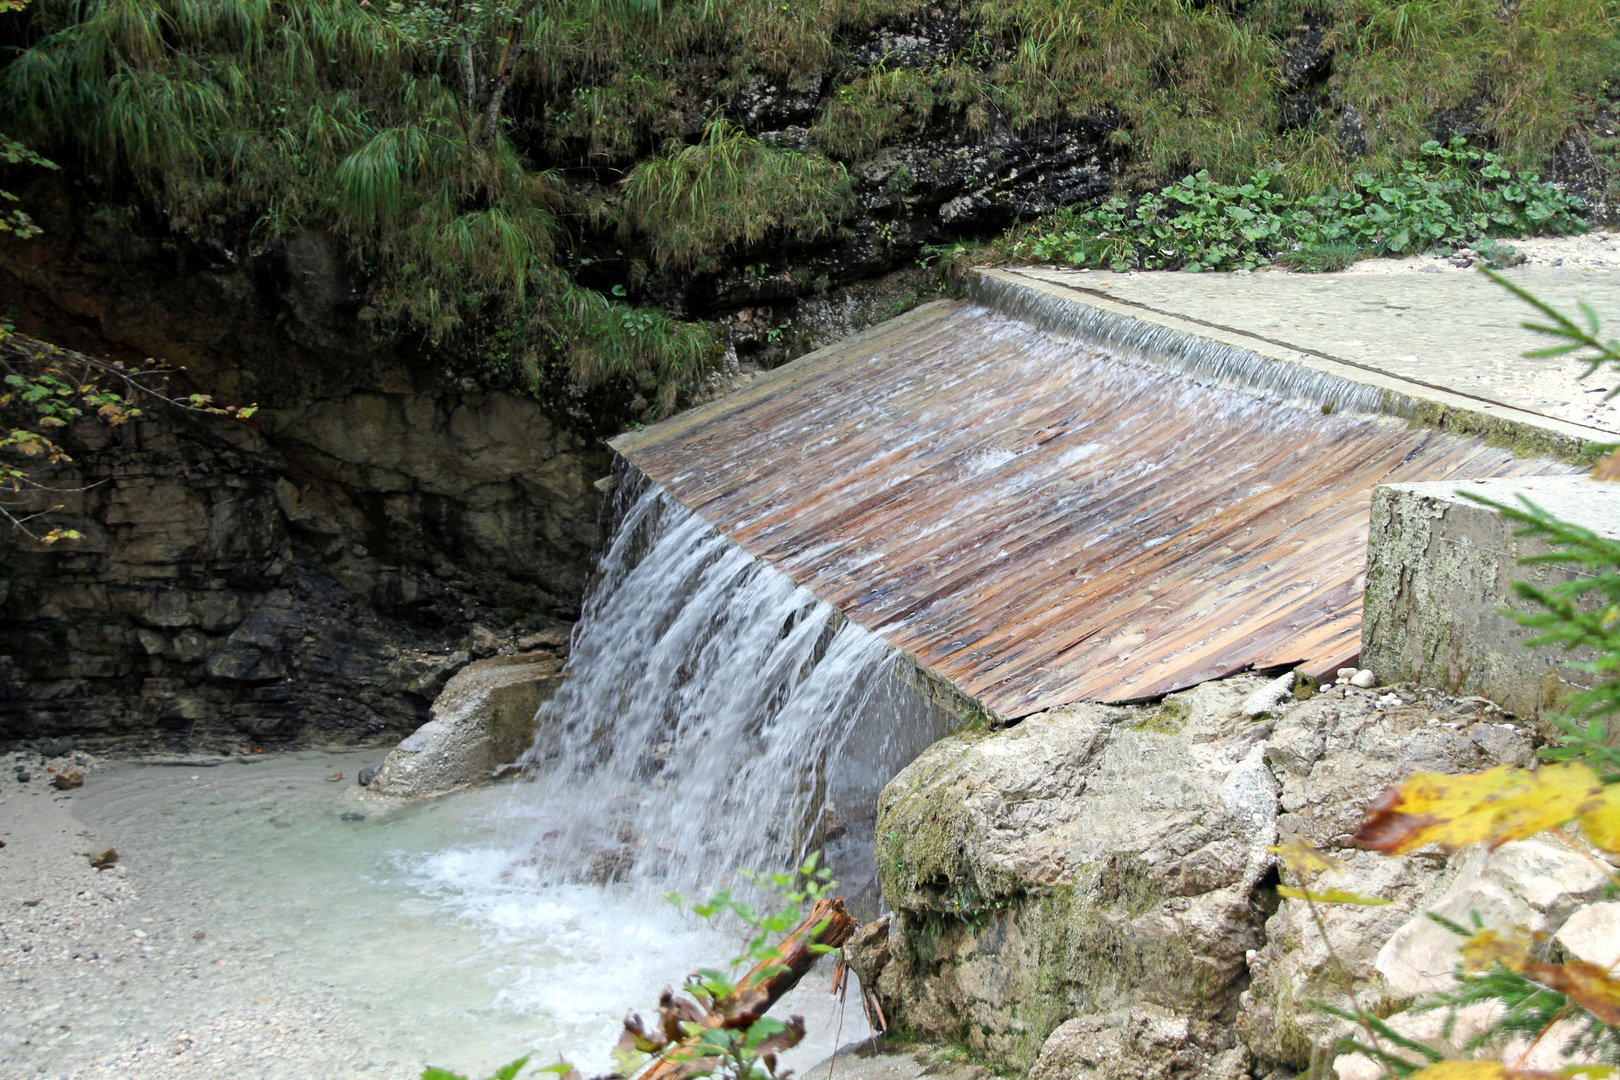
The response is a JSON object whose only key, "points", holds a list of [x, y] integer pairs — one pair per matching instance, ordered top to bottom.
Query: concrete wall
{"points": [[1441, 567]]}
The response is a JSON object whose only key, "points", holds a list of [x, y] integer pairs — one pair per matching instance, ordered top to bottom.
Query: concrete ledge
{"points": [[1067, 303], [1440, 567]]}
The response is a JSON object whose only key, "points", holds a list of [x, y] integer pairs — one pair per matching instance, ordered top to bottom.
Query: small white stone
{"points": [[1346, 674], [1364, 678]]}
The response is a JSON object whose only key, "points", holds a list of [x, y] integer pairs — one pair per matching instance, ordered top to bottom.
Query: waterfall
{"points": [[716, 717]]}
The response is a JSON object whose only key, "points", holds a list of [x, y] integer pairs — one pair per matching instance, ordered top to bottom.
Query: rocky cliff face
{"points": [[304, 575], [1088, 894]]}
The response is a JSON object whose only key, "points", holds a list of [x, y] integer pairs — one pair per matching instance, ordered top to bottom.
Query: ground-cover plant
{"points": [[1452, 194]]}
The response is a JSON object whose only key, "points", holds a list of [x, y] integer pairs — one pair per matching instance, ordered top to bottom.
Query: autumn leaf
{"points": [[1607, 467], [1492, 807], [1601, 823], [1302, 858], [1328, 896], [1489, 947], [1588, 985], [1475, 1070]]}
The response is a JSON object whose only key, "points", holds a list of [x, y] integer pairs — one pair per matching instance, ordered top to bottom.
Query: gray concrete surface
{"points": [[1452, 338], [1439, 569]]}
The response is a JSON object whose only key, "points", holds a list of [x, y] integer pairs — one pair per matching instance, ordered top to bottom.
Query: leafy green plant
{"points": [[1452, 194]]}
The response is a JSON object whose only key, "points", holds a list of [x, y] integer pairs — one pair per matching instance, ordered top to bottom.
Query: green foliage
{"points": [[1195, 85], [883, 104], [382, 123], [728, 193], [1454, 193], [14, 220], [656, 355], [44, 389]]}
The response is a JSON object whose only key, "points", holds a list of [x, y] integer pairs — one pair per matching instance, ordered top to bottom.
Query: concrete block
{"points": [[1440, 568]]}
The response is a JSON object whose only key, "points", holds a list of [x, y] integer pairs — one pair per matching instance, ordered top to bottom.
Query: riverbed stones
{"points": [[484, 719], [1098, 875]]}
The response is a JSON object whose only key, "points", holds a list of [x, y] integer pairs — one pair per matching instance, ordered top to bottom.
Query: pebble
{"points": [[108, 979]]}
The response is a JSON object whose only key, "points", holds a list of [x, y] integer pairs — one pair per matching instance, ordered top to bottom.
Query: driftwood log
{"points": [[827, 924]]}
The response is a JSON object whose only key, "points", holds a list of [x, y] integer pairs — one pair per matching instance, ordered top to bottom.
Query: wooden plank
{"points": [[1042, 524]]}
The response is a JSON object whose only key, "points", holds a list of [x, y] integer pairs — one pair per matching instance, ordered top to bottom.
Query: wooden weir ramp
{"points": [[1040, 523]]}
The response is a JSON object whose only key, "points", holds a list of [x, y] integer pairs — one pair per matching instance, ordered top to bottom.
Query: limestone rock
{"points": [[482, 720], [1332, 756], [1088, 860], [1593, 934], [1146, 1042]]}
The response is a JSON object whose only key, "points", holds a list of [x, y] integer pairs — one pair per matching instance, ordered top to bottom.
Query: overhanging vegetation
{"points": [[508, 174]]}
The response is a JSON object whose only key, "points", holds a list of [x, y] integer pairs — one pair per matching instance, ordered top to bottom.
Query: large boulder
{"points": [[482, 721], [1089, 860], [1089, 892]]}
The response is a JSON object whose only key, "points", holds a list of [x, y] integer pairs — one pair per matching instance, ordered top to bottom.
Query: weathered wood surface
{"points": [[1041, 524]]}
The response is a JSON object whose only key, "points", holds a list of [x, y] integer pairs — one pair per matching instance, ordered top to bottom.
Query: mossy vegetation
{"points": [[538, 183], [730, 192], [1168, 719]]}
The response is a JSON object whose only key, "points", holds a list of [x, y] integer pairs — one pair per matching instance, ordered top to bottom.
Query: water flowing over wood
{"points": [[1039, 523]]}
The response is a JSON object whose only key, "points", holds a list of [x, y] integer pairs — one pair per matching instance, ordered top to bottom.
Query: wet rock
{"points": [[484, 719], [52, 748], [366, 775], [24, 776], [67, 781], [351, 815], [103, 858], [1087, 860]]}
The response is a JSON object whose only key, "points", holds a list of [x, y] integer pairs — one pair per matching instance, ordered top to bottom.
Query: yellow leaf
{"points": [[1607, 467], [1492, 807], [1601, 823], [1302, 859], [1328, 896], [1488, 947], [1588, 985], [1462, 1070], [1475, 1070], [1590, 1072]]}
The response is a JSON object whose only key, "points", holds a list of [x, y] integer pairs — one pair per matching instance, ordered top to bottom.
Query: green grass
{"points": [[589, 126], [728, 194]]}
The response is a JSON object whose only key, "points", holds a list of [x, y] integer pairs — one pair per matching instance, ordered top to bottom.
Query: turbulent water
{"points": [[716, 717]]}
